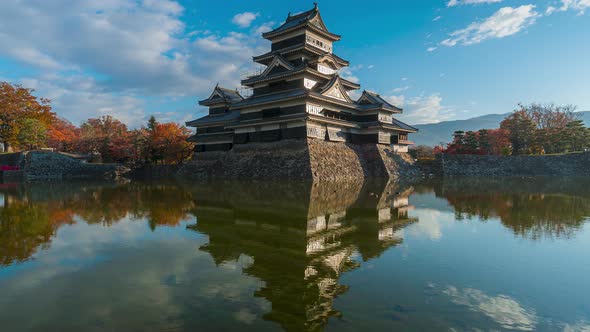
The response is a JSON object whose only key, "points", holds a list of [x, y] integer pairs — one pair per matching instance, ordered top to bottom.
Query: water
{"points": [[458, 254]]}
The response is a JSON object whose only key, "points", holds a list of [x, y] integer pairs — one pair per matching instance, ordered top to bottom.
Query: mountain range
{"points": [[432, 134]]}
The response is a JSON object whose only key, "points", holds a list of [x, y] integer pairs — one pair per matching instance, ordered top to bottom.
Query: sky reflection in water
{"points": [[459, 254]]}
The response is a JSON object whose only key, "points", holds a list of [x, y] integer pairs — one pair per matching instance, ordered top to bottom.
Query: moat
{"points": [[450, 254]]}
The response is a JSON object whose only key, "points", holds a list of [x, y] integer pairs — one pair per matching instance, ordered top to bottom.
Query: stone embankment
{"points": [[300, 160], [574, 164], [51, 166]]}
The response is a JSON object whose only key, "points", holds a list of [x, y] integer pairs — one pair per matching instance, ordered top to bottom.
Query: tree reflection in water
{"points": [[531, 208], [31, 215]]}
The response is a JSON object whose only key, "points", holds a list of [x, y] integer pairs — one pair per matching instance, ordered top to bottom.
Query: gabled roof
{"points": [[311, 19], [302, 47], [333, 58], [276, 62], [276, 76], [335, 89], [221, 95], [373, 98]]}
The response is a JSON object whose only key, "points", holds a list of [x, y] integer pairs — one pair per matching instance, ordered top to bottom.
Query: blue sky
{"points": [[438, 59]]}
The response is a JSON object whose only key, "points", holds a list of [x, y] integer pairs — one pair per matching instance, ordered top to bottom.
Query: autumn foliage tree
{"points": [[17, 104], [27, 122], [531, 129], [62, 135], [107, 136], [167, 142], [481, 142]]}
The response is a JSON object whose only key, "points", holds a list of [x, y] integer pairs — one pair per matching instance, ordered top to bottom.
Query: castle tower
{"points": [[299, 95]]}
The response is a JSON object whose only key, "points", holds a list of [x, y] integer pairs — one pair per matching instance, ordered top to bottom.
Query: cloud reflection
{"points": [[503, 309]]}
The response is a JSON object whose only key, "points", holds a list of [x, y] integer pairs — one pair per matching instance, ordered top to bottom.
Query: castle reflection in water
{"points": [[301, 239]]}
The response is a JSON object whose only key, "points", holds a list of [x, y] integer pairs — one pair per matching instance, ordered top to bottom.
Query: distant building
{"points": [[300, 94]]}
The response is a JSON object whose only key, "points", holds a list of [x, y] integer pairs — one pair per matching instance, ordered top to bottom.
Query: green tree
{"points": [[152, 123], [521, 132], [32, 133], [576, 136], [484, 141], [471, 142]]}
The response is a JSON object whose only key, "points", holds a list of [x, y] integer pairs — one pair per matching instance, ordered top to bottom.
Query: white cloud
{"points": [[454, 3], [577, 5], [550, 10], [436, 18], [244, 20], [505, 22], [265, 27], [126, 48], [431, 49], [347, 73], [401, 89], [79, 97], [422, 109]]}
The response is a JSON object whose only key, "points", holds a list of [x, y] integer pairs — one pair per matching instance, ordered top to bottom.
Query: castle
{"points": [[300, 95]]}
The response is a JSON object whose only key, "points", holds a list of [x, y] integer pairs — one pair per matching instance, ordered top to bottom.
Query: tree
{"points": [[16, 104], [549, 115], [550, 121], [152, 124], [521, 132], [32, 133], [62, 135], [105, 135], [576, 136], [483, 138], [170, 142], [499, 142], [471, 143], [422, 152]]}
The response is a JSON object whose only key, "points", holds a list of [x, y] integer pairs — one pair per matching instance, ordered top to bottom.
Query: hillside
{"points": [[435, 133]]}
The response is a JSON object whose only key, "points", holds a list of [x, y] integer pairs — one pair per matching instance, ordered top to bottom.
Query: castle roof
{"points": [[310, 19], [308, 48], [221, 95], [372, 98], [212, 119], [404, 126]]}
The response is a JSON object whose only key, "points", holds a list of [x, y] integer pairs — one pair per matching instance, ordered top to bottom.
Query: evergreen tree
{"points": [[152, 123], [521, 132], [576, 136], [484, 141], [471, 142]]}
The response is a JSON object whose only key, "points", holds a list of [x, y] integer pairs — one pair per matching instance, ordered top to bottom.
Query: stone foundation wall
{"points": [[287, 159], [299, 159], [575, 164], [43, 166]]}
